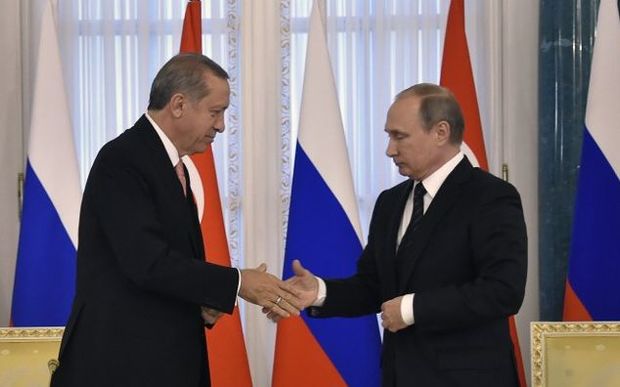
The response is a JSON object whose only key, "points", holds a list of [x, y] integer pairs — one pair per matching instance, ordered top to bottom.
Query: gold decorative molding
{"points": [[542, 332], [31, 334], [28, 355]]}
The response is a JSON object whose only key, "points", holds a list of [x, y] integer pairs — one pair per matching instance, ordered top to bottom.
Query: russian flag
{"points": [[324, 233], [45, 270], [592, 286]]}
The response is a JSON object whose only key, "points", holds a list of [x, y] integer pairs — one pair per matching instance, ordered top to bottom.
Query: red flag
{"points": [[456, 75], [228, 360]]}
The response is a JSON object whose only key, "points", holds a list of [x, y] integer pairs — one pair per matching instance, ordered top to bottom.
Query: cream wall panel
{"points": [[11, 149]]}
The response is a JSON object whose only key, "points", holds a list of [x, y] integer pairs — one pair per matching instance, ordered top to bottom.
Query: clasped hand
{"points": [[305, 286], [264, 289], [281, 299]]}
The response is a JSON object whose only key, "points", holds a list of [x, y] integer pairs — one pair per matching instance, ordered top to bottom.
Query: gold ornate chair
{"points": [[583, 354], [28, 355]]}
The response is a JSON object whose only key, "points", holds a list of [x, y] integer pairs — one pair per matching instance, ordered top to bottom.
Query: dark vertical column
{"points": [[565, 52]]}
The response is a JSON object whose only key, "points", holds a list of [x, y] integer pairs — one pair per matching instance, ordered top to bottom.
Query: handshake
{"points": [[279, 299]]}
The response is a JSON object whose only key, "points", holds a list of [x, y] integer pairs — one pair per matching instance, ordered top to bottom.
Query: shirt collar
{"points": [[171, 150], [436, 179]]}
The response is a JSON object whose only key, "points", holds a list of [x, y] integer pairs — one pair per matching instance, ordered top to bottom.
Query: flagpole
{"points": [[20, 194]]}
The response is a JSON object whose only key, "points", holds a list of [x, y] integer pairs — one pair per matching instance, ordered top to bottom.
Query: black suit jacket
{"points": [[466, 262], [141, 275]]}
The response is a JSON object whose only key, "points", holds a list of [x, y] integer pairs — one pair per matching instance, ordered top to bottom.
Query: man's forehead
{"points": [[213, 79], [219, 89], [406, 102], [404, 109]]}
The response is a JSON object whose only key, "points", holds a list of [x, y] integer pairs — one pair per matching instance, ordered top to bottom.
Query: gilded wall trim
{"points": [[542, 332], [31, 334]]}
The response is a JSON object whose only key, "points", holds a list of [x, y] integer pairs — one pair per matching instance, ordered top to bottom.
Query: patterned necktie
{"points": [[180, 170], [418, 206]]}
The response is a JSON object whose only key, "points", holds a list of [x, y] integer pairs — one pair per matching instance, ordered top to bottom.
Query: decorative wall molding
{"points": [[285, 115], [234, 156], [541, 332]]}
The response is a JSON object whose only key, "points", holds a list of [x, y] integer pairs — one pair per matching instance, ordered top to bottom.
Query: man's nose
{"points": [[220, 125], [391, 149]]}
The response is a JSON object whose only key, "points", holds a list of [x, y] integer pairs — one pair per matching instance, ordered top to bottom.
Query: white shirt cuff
{"points": [[238, 286], [321, 294], [406, 309]]}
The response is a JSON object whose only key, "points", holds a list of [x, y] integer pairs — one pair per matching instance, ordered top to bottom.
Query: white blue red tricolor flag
{"points": [[324, 233], [45, 268], [592, 286]]}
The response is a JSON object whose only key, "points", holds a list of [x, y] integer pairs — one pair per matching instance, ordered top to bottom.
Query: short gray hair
{"points": [[183, 73], [437, 104]]}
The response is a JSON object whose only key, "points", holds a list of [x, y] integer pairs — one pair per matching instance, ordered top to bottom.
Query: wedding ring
{"points": [[278, 300]]}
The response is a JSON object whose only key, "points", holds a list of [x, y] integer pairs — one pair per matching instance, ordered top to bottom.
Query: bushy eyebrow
{"points": [[214, 108], [394, 131]]}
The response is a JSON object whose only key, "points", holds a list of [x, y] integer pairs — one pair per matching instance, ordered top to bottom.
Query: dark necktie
{"points": [[418, 205]]}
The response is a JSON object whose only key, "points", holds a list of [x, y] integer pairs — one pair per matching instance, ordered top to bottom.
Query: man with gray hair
{"points": [[446, 258], [144, 291]]}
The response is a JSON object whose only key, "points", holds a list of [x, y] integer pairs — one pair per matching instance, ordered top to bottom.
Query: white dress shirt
{"points": [[432, 184]]}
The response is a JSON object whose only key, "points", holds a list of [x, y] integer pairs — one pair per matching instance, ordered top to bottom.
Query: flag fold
{"points": [[45, 268]]}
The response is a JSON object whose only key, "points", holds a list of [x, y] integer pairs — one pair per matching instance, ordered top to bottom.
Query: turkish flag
{"points": [[228, 360]]}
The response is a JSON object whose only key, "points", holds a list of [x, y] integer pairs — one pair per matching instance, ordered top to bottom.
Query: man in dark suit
{"points": [[446, 258], [144, 292]]}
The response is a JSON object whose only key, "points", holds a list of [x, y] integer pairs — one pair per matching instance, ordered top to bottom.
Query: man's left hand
{"points": [[210, 316], [391, 318]]}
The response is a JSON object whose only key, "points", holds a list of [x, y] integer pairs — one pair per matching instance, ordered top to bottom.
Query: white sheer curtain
{"points": [[377, 48], [112, 50]]}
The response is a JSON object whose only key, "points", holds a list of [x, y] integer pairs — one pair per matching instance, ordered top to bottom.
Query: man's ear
{"points": [[177, 105], [442, 132]]}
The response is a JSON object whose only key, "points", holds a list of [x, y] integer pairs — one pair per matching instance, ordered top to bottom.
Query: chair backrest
{"points": [[566, 354], [28, 356]]}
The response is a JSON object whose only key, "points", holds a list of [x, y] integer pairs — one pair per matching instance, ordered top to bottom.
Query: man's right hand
{"points": [[305, 283], [306, 288], [268, 291]]}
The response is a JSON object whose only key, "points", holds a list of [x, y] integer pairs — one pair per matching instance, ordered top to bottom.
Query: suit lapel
{"points": [[160, 161], [179, 203], [397, 216], [196, 234], [414, 243], [389, 267]]}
